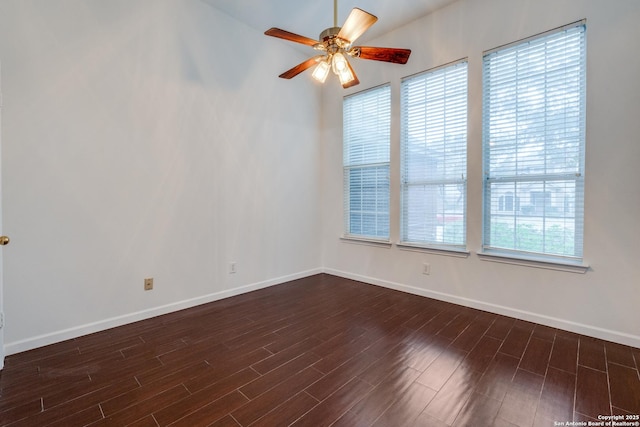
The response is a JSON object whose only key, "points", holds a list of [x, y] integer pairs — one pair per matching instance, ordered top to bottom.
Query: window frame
{"points": [[438, 104], [378, 166], [573, 262]]}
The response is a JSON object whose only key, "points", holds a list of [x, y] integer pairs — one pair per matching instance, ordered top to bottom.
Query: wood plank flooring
{"points": [[322, 351]]}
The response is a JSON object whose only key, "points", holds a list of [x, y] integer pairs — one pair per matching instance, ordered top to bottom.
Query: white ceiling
{"points": [[310, 17]]}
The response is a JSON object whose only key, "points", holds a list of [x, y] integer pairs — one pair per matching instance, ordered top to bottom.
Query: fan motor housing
{"points": [[329, 33]]}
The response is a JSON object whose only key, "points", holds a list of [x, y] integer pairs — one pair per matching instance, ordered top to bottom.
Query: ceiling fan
{"points": [[336, 45]]}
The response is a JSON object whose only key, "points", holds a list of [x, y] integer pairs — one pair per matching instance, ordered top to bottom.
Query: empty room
{"points": [[329, 213]]}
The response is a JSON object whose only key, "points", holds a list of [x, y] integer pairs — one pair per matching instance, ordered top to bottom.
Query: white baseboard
{"points": [[564, 324], [89, 328], [58, 336]]}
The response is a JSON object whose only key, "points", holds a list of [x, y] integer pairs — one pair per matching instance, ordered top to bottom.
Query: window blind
{"points": [[366, 145], [533, 145], [434, 156]]}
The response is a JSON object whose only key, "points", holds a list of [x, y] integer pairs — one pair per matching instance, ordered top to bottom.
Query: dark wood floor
{"points": [[322, 351]]}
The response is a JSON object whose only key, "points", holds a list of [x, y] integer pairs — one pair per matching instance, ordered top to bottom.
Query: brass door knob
{"points": [[4, 240]]}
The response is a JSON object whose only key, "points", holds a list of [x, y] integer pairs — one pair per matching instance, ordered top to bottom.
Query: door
{"points": [[1, 242]]}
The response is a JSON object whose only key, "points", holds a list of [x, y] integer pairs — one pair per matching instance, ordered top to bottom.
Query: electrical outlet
{"points": [[232, 268], [426, 268], [148, 284]]}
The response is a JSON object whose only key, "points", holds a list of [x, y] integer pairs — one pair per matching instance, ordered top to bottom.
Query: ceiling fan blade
{"points": [[356, 24], [282, 34], [385, 54], [300, 68], [355, 80]]}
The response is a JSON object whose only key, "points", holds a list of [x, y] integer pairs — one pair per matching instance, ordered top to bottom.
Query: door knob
{"points": [[4, 240]]}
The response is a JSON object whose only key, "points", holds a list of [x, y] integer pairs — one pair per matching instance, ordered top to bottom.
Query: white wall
{"points": [[139, 142], [603, 302]]}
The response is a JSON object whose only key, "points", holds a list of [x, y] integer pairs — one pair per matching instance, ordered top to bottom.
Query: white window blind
{"points": [[533, 142], [366, 144], [434, 157]]}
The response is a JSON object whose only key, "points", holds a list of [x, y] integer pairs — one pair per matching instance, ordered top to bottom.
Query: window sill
{"points": [[366, 241], [436, 250], [549, 264]]}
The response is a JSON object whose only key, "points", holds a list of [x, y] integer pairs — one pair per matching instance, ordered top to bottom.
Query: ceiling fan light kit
{"points": [[336, 43], [321, 71]]}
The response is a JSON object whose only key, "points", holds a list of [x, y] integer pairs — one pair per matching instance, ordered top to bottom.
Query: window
{"points": [[367, 134], [533, 142], [434, 157]]}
